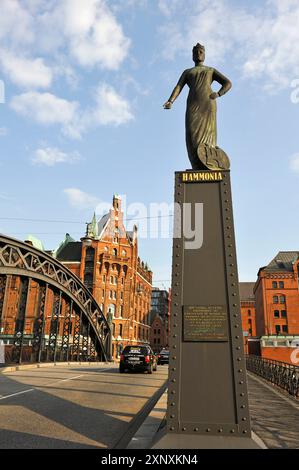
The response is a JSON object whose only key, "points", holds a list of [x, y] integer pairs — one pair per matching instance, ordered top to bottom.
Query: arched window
{"points": [[114, 251], [275, 299], [282, 299], [113, 329], [120, 330]]}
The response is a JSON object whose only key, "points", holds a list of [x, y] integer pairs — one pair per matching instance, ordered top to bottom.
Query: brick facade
{"points": [[107, 261]]}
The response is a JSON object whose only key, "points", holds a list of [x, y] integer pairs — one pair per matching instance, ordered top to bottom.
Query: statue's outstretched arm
{"points": [[223, 80], [176, 91]]}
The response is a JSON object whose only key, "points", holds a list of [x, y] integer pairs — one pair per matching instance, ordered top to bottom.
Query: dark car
{"points": [[163, 357], [139, 358]]}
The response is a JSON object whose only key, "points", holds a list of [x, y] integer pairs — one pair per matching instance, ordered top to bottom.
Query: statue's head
{"points": [[198, 53]]}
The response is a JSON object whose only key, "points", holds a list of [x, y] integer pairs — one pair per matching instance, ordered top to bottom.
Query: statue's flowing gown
{"points": [[201, 109]]}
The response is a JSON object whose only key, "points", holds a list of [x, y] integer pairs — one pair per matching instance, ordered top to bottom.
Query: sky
{"points": [[82, 88]]}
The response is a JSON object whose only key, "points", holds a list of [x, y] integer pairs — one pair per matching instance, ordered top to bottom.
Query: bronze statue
{"points": [[201, 133]]}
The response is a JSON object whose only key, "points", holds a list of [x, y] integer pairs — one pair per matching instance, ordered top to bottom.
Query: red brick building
{"points": [[107, 261], [277, 306], [248, 313], [160, 319]]}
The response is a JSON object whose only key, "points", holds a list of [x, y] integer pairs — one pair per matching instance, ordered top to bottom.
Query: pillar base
{"points": [[166, 440]]}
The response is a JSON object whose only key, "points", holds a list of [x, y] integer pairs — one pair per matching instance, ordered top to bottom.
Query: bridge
{"points": [[46, 312], [48, 317], [92, 406]]}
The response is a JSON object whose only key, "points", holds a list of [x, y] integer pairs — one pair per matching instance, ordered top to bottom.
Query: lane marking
{"points": [[40, 386], [18, 393]]}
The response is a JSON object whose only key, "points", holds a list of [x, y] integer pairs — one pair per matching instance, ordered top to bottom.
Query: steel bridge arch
{"points": [[92, 334]]}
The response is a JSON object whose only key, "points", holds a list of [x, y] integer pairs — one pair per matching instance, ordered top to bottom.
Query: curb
{"points": [[144, 437]]}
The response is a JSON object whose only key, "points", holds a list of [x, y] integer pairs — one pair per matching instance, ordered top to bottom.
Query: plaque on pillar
{"points": [[207, 394]]}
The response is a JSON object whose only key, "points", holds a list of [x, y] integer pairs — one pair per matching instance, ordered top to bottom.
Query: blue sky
{"points": [[85, 81]]}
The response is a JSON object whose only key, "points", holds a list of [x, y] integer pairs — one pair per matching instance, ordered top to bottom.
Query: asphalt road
{"points": [[72, 407]]}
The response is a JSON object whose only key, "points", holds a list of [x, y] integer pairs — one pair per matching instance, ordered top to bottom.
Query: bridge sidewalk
{"points": [[274, 414], [274, 417]]}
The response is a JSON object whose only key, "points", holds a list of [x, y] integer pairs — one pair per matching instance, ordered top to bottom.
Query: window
{"points": [[114, 251], [124, 253], [104, 278], [111, 279], [122, 281], [274, 285], [281, 285], [103, 293], [114, 295], [121, 295], [275, 299], [282, 299], [111, 309], [121, 309], [249, 313], [276, 313], [283, 314], [249, 321], [285, 328], [277, 329], [120, 330], [155, 331], [158, 331], [250, 331], [155, 340]]}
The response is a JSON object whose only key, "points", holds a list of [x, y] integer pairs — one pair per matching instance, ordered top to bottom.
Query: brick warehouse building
{"points": [[107, 261], [277, 306], [248, 313], [160, 319]]}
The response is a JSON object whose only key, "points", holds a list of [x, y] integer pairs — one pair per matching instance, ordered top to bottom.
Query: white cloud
{"points": [[16, 23], [86, 32], [93, 34], [264, 41], [26, 72], [45, 108], [110, 108], [3, 131], [50, 156], [294, 163], [79, 199]]}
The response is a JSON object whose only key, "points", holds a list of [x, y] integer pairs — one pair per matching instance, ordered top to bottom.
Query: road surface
{"points": [[73, 407]]}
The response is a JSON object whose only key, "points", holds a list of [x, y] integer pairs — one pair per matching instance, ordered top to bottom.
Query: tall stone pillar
{"points": [[207, 394]]}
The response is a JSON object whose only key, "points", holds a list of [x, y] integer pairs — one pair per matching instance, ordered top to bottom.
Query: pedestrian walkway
{"points": [[274, 414], [274, 417]]}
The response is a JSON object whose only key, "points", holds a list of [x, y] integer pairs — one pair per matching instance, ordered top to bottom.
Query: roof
{"points": [[102, 222], [36, 242], [70, 252], [283, 261], [246, 290]]}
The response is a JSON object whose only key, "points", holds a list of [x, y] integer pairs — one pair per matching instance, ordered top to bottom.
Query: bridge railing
{"points": [[281, 374]]}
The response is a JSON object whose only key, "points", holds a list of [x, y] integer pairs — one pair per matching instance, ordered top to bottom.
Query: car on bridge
{"points": [[163, 356], [139, 358]]}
